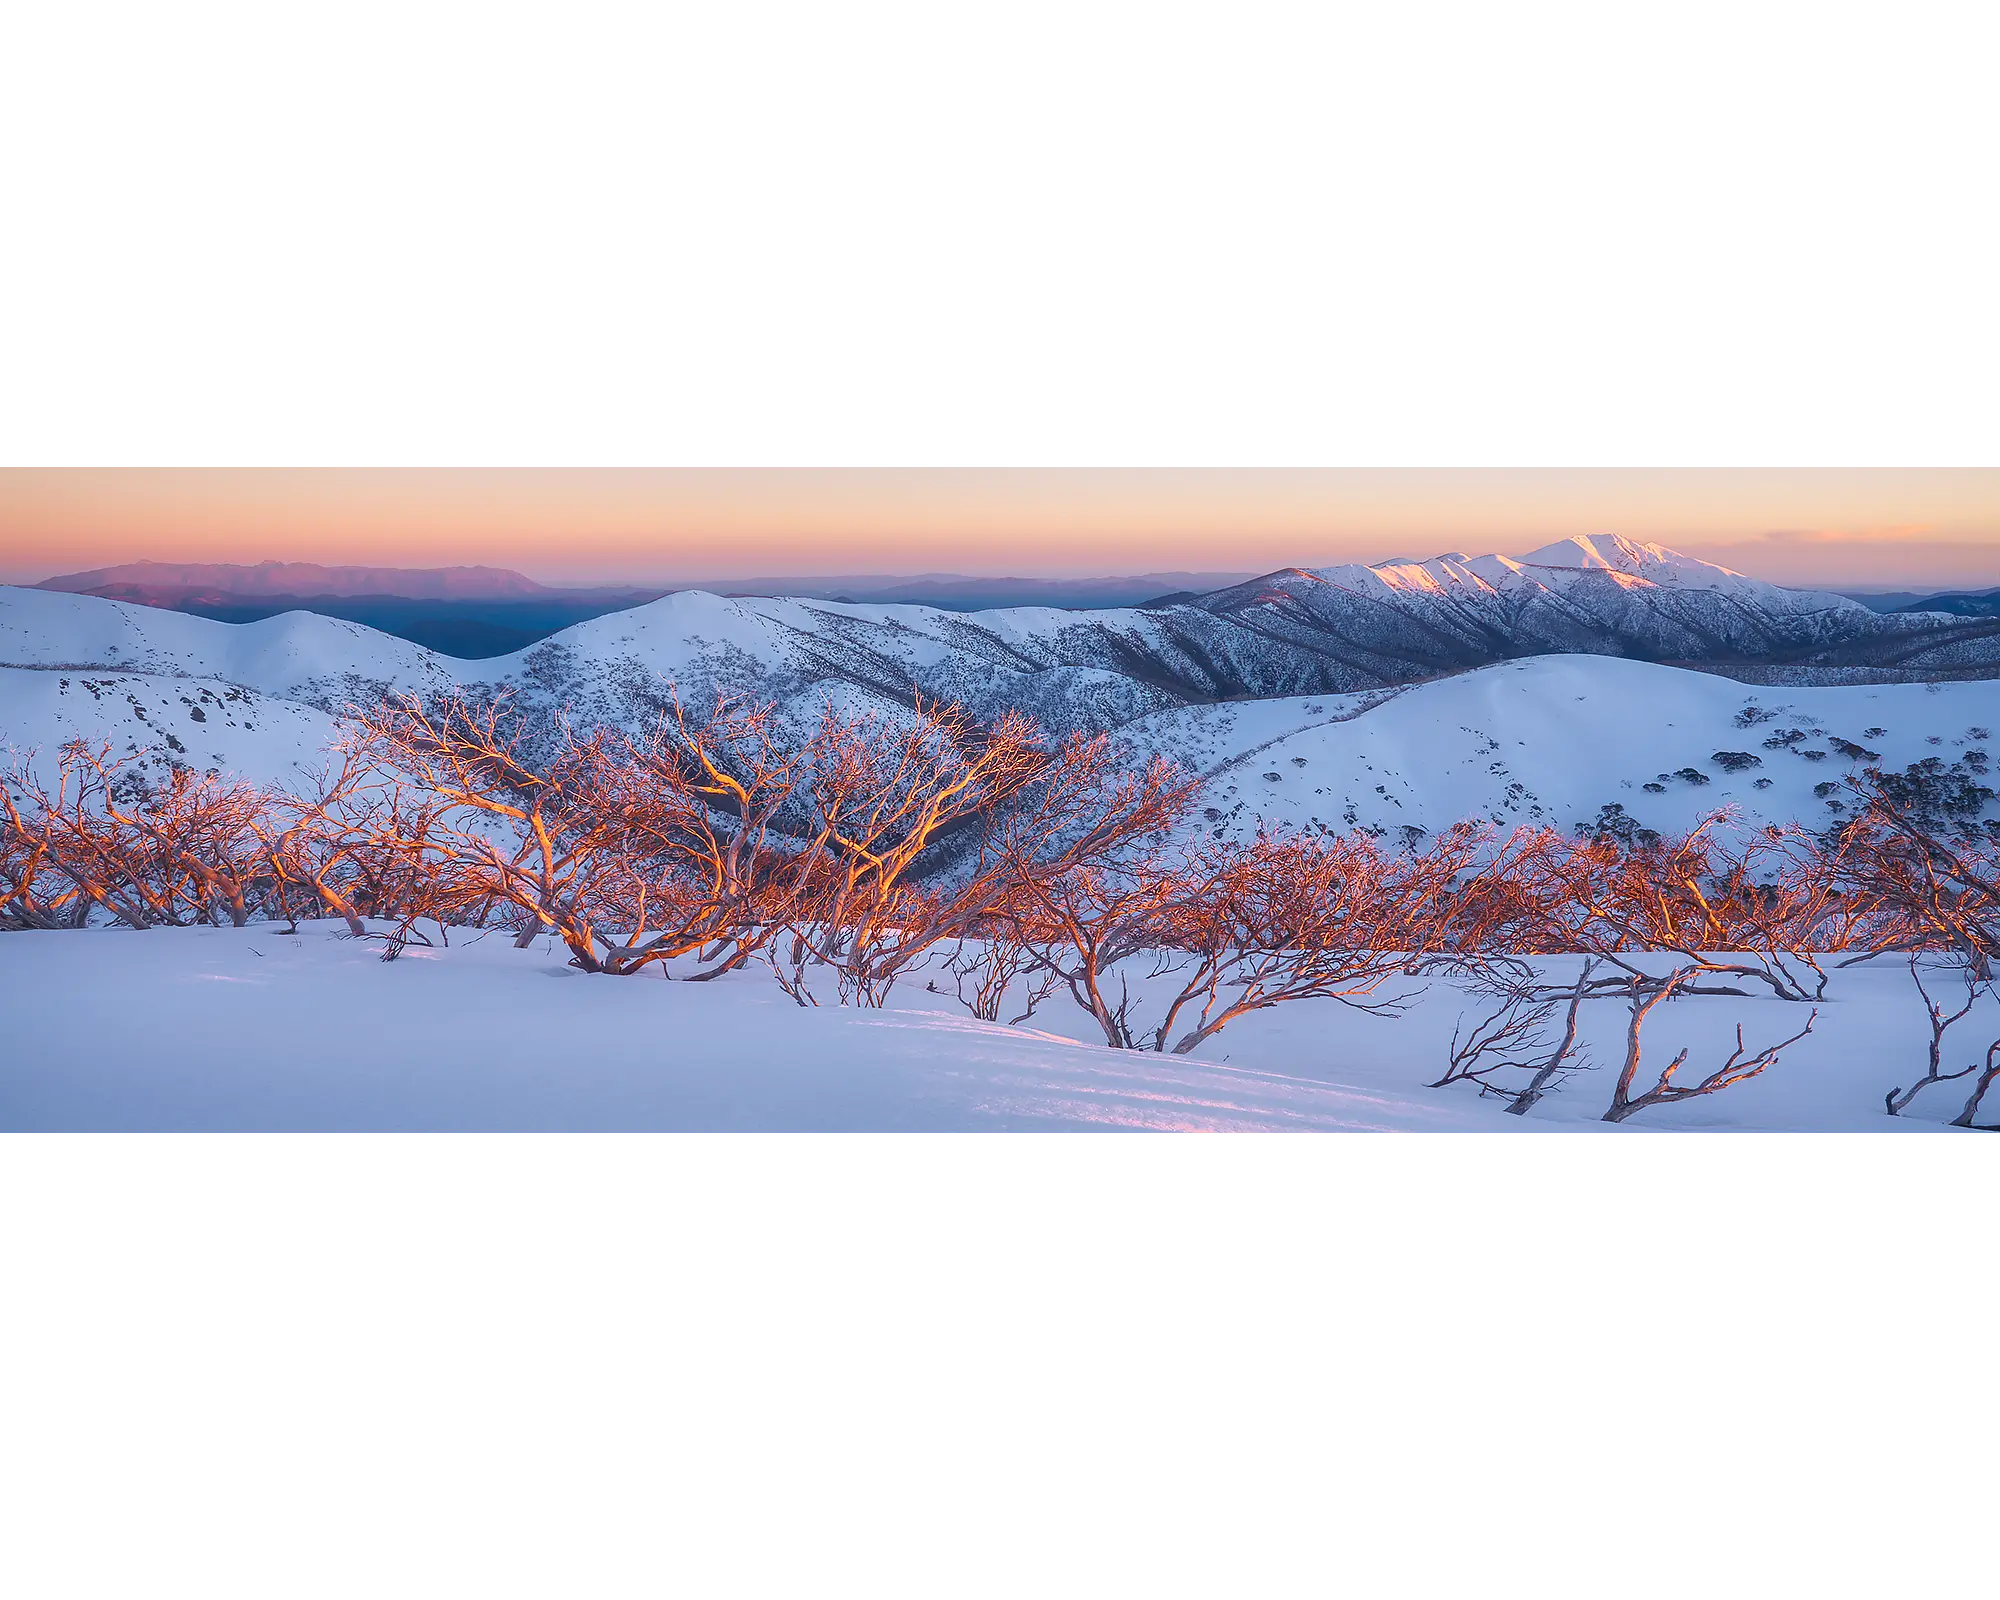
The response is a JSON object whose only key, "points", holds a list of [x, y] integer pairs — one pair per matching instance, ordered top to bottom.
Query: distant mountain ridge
{"points": [[304, 578], [167, 583], [950, 591], [1948, 602], [1981, 603], [475, 613], [469, 629], [1293, 632]]}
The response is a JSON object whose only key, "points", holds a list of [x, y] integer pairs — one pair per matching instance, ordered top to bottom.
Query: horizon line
{"points": [[762, 584]]}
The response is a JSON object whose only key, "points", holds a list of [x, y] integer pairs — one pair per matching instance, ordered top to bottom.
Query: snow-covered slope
{"points": [[1576, 566], [1668, 569], [1402, 620], [296, 656], [153, 722], [1555, 740], [221, 1028]]}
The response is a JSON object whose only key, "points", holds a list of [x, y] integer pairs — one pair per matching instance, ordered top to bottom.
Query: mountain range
{"points": [[284, 578], [1956, 603], [467, 612], [476, 613], [1389, 621], [1293, 632], [1399, 696]]}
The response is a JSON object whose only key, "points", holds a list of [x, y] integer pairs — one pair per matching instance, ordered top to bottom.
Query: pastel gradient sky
{"points": [[1863, 526]]}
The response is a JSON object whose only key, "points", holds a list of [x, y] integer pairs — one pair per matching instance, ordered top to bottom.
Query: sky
{"points": [[1861, 527]]}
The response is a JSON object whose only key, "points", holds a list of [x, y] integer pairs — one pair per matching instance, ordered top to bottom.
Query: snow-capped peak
{"points": [[1613, 552], [1634, 563], [1456, 572]]}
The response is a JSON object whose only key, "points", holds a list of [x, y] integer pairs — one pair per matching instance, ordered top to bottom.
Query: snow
{"points": [[1616, 553], [1654, 565], [1555, 570], [663, 630], [298, 655], [154, 721], [1552, 740], [258, 1029]]}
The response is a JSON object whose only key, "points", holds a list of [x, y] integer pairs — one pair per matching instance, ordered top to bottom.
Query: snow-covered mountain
{"points": [[1609, 596], [1338, 630], [1295, 632], [298, 655], [1251, 680], [154, 723], [1556, 740]]}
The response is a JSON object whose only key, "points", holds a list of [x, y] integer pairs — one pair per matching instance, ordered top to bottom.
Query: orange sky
{"points": [[1852, 526]]}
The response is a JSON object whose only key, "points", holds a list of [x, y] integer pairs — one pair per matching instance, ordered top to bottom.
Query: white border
{"points": [[1063, 234], [784, 1365]]}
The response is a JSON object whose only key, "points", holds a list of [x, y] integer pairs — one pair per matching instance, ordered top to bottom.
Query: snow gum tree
{"points": [[928, 830]]}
